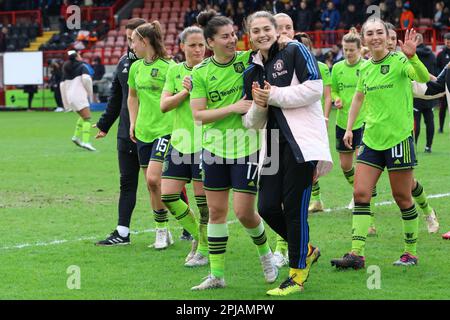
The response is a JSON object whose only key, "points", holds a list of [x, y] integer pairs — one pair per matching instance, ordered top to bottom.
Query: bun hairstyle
{"points": [[211, 21], [188, 31], [152, 32], [352, 37], [304, 38], [72, 54]]}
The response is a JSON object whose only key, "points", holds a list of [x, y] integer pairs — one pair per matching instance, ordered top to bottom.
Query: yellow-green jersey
{"points": [[326, 77], [344, 79], [148, 80], [222, 85], [386, 85], [184, 139]]}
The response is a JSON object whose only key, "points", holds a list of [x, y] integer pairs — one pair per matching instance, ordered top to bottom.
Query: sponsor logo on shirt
{"points": [[384, 69], [213, 78], [342, 86], [218, 95], [215, 96]]}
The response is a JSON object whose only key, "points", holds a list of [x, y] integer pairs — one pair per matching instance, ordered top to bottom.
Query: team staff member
{"points": [[288, 105], [149, 127], [387, 140], [126, 149]]}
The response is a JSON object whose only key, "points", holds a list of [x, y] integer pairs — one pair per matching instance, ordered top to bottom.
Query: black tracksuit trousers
{"points": [[283, 201]]}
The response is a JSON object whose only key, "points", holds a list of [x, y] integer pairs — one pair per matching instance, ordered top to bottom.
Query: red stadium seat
{"points": [[136, 12], [425, 21], [123, 32], [112, 33], [87, 55], [114, 61]]}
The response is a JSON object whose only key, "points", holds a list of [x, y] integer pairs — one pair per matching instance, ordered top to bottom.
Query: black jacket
{"points": [[443, 58], [429, 60], [279, 70], [118, 106]]}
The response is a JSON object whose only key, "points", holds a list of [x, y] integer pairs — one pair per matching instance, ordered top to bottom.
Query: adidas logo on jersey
{"points": [[125, 70], [213, 78], [397, 162], [251, 184]]}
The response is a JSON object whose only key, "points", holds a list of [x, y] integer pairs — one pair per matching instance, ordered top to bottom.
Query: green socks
{"points": [[78, 128], [83, 130], [86, 131], [350, 176], [315, 194], [421, 199], [372, 207], [181, 211], [161, 218], [361, 222], [203, 225], [410, 229], [259, 238], [217, 244], [282, 245]]}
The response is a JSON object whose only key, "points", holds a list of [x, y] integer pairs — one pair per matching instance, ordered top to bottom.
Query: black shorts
{"points": [[356, 143], [153, 151], [400, 157], [179, 166], [220, 174]]}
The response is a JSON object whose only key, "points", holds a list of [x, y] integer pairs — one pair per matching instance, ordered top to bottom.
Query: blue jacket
{"points": [[334, 16]]}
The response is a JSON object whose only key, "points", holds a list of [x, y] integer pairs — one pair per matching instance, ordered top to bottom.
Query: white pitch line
{"points": [[55, 242]]}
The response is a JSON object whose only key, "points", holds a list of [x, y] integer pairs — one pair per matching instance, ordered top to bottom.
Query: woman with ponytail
{"points": [[150, 128]]}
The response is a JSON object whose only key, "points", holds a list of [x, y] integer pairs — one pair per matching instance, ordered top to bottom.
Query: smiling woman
{"points": [[384, 86], [286, 88], [217, 102]]}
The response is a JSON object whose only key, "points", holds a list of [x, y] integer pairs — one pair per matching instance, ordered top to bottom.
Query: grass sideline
{"points": [[57, 199]]}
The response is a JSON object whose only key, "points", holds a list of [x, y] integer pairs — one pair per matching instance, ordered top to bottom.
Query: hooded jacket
{"points": [[428, 58], [294, 103]]}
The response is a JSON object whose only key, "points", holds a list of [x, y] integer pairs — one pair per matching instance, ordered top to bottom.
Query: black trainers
{"points": [[427, 150], [186, 236], [114, 239], [349, 260]]}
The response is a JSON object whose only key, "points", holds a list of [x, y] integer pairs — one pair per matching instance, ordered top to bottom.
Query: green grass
{"points": [[50, 190]]}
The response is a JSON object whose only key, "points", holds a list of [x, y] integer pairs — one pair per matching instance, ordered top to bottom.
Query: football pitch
{"points": [[56, 200]]}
